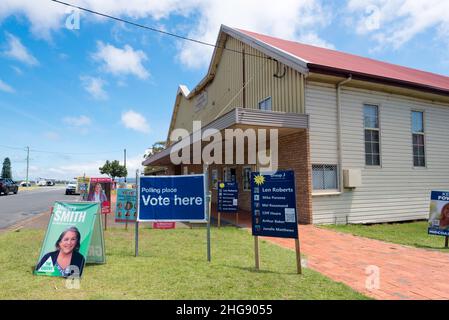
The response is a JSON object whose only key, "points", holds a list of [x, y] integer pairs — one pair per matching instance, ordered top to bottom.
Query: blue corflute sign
{"points": [[228, 193], [172, 198], [273, 204], [439, 213]]}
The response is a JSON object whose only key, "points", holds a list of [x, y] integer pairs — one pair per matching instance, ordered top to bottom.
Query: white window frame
{"points": [[264, 101], [378, 129], [419, 133], [337, 177]]}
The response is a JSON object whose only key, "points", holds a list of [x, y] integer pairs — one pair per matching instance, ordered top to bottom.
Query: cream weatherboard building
{"points": [[367, 140]]}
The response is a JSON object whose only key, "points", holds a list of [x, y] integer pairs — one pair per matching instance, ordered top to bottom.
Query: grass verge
{"points": [[408, 233], [172, 265]]}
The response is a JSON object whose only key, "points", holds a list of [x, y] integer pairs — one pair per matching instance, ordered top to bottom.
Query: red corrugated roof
{"points": [[331, 59]]}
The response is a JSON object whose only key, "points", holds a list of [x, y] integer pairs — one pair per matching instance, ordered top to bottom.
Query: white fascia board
{"points": [[282, 56], [184, 90]]}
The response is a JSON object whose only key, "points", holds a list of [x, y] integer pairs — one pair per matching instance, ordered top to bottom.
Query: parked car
{"points": [[45, 182], [41, 183], [25, 184], [7, 186], [70, 188]]}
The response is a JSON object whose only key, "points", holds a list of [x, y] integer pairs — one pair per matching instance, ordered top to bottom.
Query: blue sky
{"points": [[84, 95]]}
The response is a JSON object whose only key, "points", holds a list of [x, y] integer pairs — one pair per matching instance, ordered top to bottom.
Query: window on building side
{"points": [[265, 104], [372, 135], [419, 156], [324, 177], [246, 178]]}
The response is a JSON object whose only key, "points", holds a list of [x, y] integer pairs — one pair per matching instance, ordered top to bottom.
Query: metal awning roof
{"points": [[241, 118]]}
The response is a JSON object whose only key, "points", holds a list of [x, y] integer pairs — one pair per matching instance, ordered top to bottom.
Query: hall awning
{"points": [[241, 118]]}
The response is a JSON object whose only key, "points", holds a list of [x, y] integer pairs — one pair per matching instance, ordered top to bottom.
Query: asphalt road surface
{"points": [[25, 204]]}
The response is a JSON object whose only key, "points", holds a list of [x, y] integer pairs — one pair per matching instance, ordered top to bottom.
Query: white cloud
{"points": [[44, 15], [47, 16], [290, 19], [395, 22], [313, 39], [16, 50], [126, 61], [17, 70], [6, 87], [95, 87], [80, 121], [135, 121], [50, 135]]}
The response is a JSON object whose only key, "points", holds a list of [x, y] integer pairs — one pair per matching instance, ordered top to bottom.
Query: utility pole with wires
{"points": [[124, 151], [28, 164]]}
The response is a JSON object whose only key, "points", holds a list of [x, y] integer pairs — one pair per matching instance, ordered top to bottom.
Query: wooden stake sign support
{"points": [[219, 220], [446, 243], [256, 252], [298, 257]]}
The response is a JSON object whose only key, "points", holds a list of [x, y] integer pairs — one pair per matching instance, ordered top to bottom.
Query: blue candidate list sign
{"points": [[228, 194], [172, 198], [273, 204]]}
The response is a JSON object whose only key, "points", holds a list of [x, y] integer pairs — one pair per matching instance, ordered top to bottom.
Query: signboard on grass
{"points": [[82, 187], [100, 191], [228, 194], [172, 198], [273, 204], [125, 210], [439, 213], [74, 236]]}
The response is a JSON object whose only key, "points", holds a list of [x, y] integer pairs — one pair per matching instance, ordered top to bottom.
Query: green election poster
{"points": [[74, 236]]}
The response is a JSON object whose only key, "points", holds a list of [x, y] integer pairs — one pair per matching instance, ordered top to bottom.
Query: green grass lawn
{"points": [[407, 233], [172, 265]]}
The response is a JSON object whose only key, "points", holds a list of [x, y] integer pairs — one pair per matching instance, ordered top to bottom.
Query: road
{"points": [[25, 204]]}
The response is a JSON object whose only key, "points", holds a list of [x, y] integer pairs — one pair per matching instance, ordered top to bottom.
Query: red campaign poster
{"points": [[100, 191], [164, 225]]}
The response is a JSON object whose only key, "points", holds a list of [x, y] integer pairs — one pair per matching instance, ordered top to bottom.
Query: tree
{"points": [[156, 148], [6, 169], [113, 169]]}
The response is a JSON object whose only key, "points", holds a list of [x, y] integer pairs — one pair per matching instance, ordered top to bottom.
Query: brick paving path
{"points": [[404, 272]]}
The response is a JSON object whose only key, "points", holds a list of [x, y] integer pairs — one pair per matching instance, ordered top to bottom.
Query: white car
{"points": [[41, 183], [70, 188]]}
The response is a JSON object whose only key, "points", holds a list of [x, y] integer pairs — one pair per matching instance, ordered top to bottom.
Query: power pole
{"points": [[125, 162], [28, 164]]}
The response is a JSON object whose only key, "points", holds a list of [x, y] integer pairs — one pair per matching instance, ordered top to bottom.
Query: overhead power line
{"points": [[157, 30], [13, 148], [58, 152], [75, 153]]}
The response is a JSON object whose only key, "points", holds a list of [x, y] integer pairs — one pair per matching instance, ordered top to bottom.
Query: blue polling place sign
{"points": [[228, 194], [172, 198], [273, 204]]}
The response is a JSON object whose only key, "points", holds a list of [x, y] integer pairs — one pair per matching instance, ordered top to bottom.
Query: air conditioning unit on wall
{"points": [[352, 178]]}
